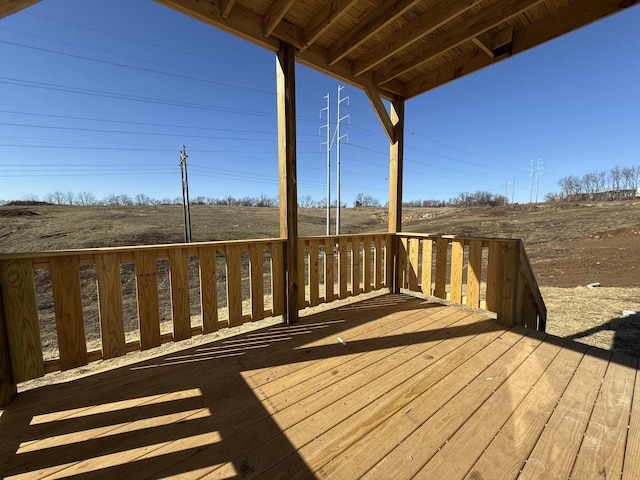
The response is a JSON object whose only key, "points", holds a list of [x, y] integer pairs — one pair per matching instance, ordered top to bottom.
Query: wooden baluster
{"points": [[256, 255], [109, 285], [208, 289], [147, 298], [67, 300], [180, 306]]}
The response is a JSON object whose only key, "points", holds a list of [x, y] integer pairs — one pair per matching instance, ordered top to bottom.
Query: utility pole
{"points": [[338, 139], [328, 144], [185, 195]]}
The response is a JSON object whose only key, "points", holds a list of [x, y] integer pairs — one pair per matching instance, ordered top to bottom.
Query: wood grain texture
{"points": [[287, 166], [442, 250], [403, 256], [256, 257], [389, 259], [343, 262], [366, 263], [457, 264], [355, 265], [427, 266], [378, 267], [414, 267], [329, 268], [494, 268], [314, 273], [474, 273], [302, 274], [109, 284], [234, 285], [278, 286], [208, 288], [147, 298], [67, 300], [180, 306], [21, 319], [603, 446]]}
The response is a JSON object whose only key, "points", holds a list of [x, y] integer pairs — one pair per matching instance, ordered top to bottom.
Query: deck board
{"points": [[414, 390]]}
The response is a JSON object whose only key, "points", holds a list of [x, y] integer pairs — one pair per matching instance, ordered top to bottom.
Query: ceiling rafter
{"points": [[225, 7], [274, 15], [568, 18], [321, 23], [369, 26], [420, 27], [462, 32]]}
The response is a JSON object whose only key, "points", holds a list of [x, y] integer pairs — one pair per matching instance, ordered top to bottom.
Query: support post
{"points": [[286, 93], [396, 156], [8, 389]]}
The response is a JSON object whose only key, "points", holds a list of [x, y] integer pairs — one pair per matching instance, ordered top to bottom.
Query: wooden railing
{"points": [[336, 267], [492, 274], [131, 298], [63, 309]]}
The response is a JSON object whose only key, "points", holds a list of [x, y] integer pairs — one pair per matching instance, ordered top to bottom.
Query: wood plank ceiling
{"points": [[395, 48]]}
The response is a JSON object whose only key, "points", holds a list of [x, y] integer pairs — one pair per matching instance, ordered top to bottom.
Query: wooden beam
{"points": [[225, 7], [274, 15], [566, 19], [321, 23], [369, 26], [422, 26], [462, 32], [483, 48], [286, 93], [382, 113], [396, 157]]}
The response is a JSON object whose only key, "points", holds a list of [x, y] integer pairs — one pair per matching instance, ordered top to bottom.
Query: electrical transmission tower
{"points": [[338, 139], [328, 144], [534, 173], [509, 187], [185, 194]]}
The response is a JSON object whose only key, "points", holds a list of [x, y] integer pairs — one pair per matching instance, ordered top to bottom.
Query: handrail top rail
{"points": [[346, 235], [456, 237], [175, 246], [132, 248]]}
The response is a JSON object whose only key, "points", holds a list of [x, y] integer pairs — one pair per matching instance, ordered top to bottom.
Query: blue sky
{"points": [[100, 96]]}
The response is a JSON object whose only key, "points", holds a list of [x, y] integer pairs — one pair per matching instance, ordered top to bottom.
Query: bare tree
{"points": [[86, 199], [142, 199]]}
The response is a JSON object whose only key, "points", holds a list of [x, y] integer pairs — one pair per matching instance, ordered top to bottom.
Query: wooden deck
{"points": [[390, 387]]}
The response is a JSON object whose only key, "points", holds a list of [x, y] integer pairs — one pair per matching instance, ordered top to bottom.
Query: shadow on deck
{"points": [[410, 388]]}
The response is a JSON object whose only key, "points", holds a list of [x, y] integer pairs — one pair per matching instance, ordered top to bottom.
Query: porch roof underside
{"points": [[394, 48]]}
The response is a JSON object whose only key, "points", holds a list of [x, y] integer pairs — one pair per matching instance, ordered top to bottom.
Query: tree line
{"points": [[615, 184], [476, 199]]}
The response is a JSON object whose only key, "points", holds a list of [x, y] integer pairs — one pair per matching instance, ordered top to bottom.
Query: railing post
{"points": [[286, 95], [503, 278], [8, 389]]}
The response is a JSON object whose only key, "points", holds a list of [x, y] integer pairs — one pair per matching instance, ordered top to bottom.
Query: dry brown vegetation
{"points": [[570, 245]]}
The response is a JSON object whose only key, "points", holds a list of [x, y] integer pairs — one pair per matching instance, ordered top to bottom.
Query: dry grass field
{"points": [[570, 246]]}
